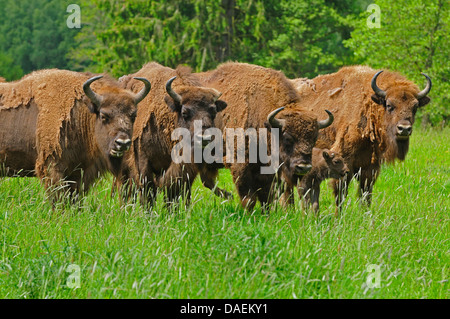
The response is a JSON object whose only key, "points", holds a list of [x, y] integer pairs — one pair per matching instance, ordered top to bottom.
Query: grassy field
{"points": [[213, 249]]}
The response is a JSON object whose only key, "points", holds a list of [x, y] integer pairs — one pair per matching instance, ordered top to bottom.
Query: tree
{"points": [[34, 35], [302, 38], [8, 69]]}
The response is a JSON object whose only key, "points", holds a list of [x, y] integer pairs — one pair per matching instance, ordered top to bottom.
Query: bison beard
{"points": [[374, 113], [402, 149]]}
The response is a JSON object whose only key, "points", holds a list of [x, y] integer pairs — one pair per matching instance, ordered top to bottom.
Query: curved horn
{"points": [[375, 88], [427, 89], [143, 93], [219, 94], [174, 95], [94, 97], [273, 121], [327, 122]]}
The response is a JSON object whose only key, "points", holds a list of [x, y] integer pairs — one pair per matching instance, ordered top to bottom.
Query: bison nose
{"points": [[404, 129], [123, 145], [302, 169]]}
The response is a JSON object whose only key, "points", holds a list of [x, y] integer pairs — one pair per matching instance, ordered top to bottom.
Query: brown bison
{"points": [[259, 98], [177, 101], [374, 113], [54, 125], [325, 164]]}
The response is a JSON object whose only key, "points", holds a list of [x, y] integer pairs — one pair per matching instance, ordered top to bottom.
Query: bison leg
{"points": [[142, 177], [208, 177], [367, 178], [177, 182], [127, 184], [245, 185], [252, 185], [58, 186], [270, 186], [340, 189], [147, 191], [310, 192], [314, 193], [266, 194], [305, 196], [287, 198]]}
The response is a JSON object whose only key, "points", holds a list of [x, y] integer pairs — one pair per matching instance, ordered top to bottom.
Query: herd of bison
{"points": [[69, 128]]}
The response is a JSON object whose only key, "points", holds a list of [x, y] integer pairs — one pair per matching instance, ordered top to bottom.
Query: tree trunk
{"points": [[227, 36], [425, 121]]}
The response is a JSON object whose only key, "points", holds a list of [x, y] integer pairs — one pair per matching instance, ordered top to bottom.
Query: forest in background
{"points": [[301, 38]]}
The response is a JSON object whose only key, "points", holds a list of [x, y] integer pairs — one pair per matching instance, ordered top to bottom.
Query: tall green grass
{"points": [[213, 249]]}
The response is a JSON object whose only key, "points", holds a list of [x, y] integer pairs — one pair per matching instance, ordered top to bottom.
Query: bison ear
{"points": [[378, 99], [424, 101], [220, 105], [91, 106], [174, 106], [94, 109]]}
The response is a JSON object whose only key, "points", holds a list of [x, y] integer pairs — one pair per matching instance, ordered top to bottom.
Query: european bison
{"points": [[259, 98], [177, 101], [374, 113], [54, 125], [325, 164]]}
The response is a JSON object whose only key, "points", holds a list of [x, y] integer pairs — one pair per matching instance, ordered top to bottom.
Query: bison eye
{"points": [[389, 107], [186, 114], [133, 117], [105, 118], [288, 139], [337, 162]]}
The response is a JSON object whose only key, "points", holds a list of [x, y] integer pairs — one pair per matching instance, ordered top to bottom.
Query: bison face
{"points": [[400, 103], [192, 104], [115, 112], [114, 125], [299, 132], [336, 165]]}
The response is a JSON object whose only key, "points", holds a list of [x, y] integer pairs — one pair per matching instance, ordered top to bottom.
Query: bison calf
{"points": [[325, 164]]}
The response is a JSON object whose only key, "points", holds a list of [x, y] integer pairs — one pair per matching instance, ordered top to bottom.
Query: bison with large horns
{"points": [[260, 98], [177, 101], [374, 114], [65, 127]]}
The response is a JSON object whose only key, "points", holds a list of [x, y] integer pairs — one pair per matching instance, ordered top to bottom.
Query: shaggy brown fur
{"points": [[2, 80], [252, 92], [50, 126], [368, 128], [150, 164], [325, 164]]}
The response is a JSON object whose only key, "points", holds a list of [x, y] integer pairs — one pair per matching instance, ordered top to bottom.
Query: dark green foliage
{"points": [[34, 35], [301, 38]]}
